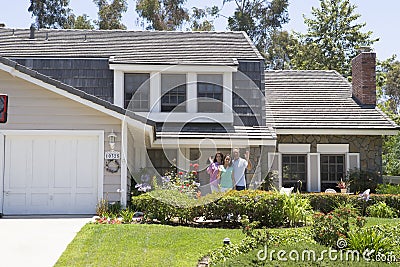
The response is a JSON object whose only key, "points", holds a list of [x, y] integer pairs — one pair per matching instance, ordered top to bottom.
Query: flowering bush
{"points": [[183, 182], [328, 228]]}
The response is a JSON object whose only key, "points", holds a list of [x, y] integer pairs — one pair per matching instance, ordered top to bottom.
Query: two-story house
{"points": [[78, 97]]}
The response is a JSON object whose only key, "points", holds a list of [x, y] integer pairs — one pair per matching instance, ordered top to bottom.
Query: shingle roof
{"points": [[132, 47], [74, 91], [317, 100]]}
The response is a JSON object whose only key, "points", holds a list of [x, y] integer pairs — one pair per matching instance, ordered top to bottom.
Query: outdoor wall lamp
{"points": [[111, 139]]}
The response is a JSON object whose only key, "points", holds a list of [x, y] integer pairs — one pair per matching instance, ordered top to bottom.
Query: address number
{"points": [[112, 155]]}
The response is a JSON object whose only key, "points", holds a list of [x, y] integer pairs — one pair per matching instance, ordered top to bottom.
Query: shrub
{"points": [[361, 180], [388, 189], [325, 202], [165, 205], [296, 209], [381, 210], [127, 215], [328, 228], [369, 241]]}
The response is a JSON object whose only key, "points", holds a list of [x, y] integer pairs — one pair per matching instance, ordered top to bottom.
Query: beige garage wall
{"points": [[31, 107]]}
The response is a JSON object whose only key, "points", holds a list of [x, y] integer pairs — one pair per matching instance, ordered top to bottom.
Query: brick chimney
{"points": [[364, 78]]}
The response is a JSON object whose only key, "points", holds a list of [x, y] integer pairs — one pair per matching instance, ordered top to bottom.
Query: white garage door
{"points": [[50, 174]]}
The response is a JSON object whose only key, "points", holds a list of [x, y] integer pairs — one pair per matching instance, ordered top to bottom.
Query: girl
{"points": [[212, 170], [226, 174]]}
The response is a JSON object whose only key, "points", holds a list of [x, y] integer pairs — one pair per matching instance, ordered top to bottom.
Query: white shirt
{"points": [[239, 166]]}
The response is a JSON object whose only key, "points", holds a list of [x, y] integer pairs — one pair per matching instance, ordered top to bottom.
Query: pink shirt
{"points": [[212, 170]]}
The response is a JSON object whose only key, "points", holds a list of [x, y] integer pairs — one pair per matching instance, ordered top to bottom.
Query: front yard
{"points": [[143, 245], [160, 245]]}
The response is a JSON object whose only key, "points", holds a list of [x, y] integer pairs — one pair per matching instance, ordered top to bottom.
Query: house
{"points": [[89, 108]]}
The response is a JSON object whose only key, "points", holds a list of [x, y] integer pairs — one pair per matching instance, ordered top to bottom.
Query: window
{"points": [[137, 88], [173, 92], [210, 92], [162, 160], [294, 169], [332, 170]]}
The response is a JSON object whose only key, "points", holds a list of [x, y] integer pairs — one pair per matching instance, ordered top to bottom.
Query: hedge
{"points": [[326, 202], [167, 206]]}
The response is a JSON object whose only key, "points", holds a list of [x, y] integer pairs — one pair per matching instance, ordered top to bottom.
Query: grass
{"points": [[375, 221], [143, 245], [161, 245]]}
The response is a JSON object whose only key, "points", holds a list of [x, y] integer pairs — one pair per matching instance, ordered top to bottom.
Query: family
{"points": [[227, 173]]}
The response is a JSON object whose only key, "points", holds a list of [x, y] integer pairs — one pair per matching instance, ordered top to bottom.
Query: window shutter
{"points": [[352, 161], [275, 164], [314, 173]]}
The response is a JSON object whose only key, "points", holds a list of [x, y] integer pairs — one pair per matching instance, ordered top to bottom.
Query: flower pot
{"points": [[343, 190]]}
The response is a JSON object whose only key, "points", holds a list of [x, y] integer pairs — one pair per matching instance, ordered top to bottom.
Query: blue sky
{"points": [[380, 17]]}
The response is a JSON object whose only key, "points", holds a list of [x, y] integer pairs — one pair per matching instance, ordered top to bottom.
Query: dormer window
{"points": [[137, 90], [173, 92], [210, 92]]}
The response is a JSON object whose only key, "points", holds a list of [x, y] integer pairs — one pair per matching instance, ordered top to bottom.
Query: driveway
{"points": [[36, 241]]}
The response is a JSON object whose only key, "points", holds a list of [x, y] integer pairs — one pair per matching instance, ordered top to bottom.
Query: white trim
{"points": [[171, 68], [155, 92], [191, 92], [227, 92], [119, 96], [184, 117], [337, 131], [222, 143], [294, 148], [333, 148], [348, 155], [2, 158], [124, 165], [309, 175], [100, 181]]}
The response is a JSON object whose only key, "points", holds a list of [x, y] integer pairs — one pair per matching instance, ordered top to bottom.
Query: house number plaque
{"points": [[112, 155]]}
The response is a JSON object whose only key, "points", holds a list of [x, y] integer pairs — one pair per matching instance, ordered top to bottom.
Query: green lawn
{"points": [[374, 221], [143, 245], [157, 245]]}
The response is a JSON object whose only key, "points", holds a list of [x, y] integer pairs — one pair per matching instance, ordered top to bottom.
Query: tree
{"points": [[50, 13], [110, 15], [167, 15], [260, 19], [199, 20], [80, 22], [336, 36], [278, 52], [388, 88], [392, 88]]}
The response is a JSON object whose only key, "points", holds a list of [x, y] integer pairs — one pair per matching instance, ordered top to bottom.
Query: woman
{"points": [[212, 170], [226, 174]]}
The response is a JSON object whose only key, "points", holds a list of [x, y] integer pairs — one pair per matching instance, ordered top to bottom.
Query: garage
{"points": [[51, 173]]}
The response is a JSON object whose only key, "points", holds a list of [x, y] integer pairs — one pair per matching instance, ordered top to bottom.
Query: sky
{"points": [[380, 16]]}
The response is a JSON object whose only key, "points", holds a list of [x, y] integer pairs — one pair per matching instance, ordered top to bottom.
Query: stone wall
{"points": [[369, 147]]}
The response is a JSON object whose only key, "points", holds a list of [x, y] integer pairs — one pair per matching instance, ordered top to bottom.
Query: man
{"points": [[239, 168]]}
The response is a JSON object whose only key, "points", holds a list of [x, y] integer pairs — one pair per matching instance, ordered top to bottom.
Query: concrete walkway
{"points": [[36, 241]]}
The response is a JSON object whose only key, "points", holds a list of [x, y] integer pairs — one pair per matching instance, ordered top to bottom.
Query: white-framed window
{"points": [[136, 91], [173, 92], [210, 93], [294, 169]]}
